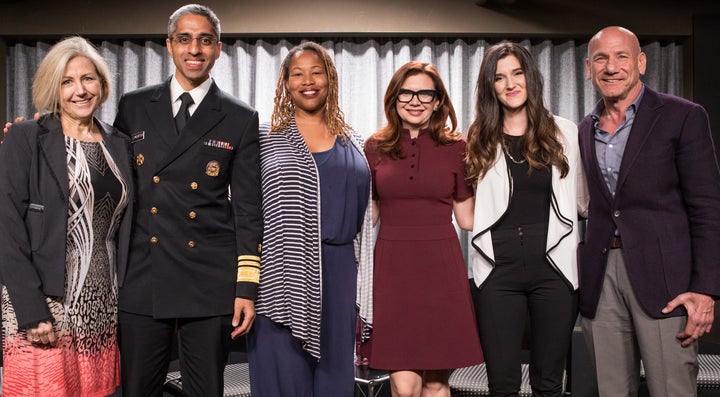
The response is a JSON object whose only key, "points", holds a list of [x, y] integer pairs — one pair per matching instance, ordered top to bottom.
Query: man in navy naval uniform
{"points": [[195, 256]]}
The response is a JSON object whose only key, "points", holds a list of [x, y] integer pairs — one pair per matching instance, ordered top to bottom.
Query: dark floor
{"points": [[582, 380]]}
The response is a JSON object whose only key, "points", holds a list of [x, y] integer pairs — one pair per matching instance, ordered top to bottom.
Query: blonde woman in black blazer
{"points": [[65, 220]]}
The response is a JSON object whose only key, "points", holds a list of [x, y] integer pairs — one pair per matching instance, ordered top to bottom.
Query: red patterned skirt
{"points": [[84, 362]]}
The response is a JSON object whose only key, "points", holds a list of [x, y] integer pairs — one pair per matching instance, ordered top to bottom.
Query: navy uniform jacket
{"points": [[666, 207], [34, 213], [193, 249]]}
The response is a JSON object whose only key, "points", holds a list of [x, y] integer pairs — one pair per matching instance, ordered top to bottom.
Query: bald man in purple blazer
{"points": [[650, 262]]}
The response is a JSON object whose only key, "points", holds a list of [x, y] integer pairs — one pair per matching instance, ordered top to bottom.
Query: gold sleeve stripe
{"points": [[249, 258], [249, 263], [248, 274]]}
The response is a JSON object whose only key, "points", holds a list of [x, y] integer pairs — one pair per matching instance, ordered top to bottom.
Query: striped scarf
{"points": [[290, 271]]}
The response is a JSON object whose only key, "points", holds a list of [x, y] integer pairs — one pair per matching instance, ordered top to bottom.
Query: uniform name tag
{"points": [[138, 136]]}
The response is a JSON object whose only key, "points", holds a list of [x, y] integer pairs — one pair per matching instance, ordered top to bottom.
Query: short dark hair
{"points": [[194, 9]]}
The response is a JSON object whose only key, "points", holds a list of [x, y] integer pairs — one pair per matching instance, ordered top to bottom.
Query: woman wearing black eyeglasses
{"points": [[423, 315]]}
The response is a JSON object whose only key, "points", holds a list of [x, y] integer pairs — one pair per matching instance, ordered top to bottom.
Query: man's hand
{"points": [[17, 120], [8, 124], [245, 312], [701, 313]]}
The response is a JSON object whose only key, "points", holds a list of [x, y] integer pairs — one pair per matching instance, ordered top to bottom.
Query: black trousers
{"points": [[524, 282], [145, 353]]}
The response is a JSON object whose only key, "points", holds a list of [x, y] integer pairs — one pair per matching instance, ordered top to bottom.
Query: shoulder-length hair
{"points": [[46, 85], [284, 108], [388, 137], [540, 144]]}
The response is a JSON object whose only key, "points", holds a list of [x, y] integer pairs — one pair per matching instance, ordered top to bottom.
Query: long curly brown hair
{"points": [[284, 108], [388, 137], [540, 144]]}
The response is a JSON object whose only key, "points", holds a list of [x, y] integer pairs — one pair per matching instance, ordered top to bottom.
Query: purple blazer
{"points": [[666, 207]]}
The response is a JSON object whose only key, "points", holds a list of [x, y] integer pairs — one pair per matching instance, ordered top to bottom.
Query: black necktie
{"points": [[183, 115]]}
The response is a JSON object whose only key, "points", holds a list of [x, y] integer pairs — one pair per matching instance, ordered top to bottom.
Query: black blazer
{"points": [[33, 214], [187, 234]]}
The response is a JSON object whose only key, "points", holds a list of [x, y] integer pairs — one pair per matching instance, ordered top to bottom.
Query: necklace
{"points": [[507, 152], [513, 158]]}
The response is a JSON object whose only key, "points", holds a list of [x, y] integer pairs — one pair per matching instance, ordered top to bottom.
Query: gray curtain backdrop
{"points": [[248, 69]]}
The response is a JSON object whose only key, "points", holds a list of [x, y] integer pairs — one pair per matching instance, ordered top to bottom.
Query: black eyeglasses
{"points": [[185, 40], [424, 96]]}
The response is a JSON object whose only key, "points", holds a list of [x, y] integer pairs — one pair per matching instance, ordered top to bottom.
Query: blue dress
{"points": [[344, 193], [278, 363]]}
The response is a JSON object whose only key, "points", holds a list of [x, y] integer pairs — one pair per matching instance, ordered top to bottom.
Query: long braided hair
{"points": [[284, 108]]}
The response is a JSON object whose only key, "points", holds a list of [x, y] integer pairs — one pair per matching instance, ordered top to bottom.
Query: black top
{"points": [[105, 184], [530, 201]]}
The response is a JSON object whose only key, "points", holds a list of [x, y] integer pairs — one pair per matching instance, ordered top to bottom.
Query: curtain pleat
{"points": [[248, 69]]}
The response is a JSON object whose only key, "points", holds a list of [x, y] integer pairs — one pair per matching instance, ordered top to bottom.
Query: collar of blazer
{"points": [[648, 112], [207, 115], [51, 145], [119, 147]]}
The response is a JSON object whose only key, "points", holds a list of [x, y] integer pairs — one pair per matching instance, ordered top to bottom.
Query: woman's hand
{"points": [[43, 334]]}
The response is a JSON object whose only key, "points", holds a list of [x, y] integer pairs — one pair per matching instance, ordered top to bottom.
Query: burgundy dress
{"points": [[423, 312]]}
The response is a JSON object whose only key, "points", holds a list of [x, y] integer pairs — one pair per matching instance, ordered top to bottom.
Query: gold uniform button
{"points": [[156, 179], [194, 186], [153, 210], [192, 214], [153, 240], [191, 244]]}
